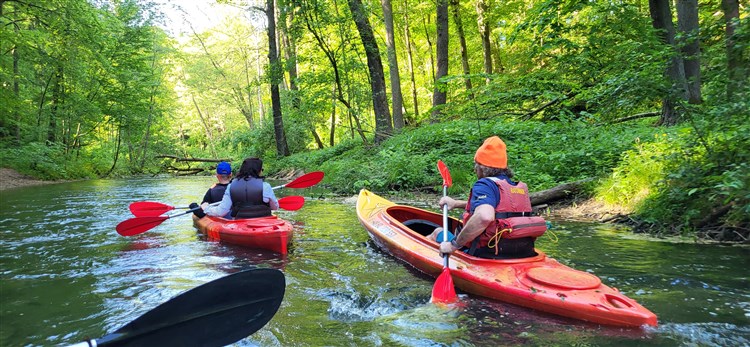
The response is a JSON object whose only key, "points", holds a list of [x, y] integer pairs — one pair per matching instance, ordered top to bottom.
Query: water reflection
{"points": [[66, 275]]}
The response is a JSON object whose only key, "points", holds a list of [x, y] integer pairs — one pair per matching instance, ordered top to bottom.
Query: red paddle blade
{"points": [[306, 180], [447, 180], [292, 203], [149, 208], [137, 225], [443, 292]]}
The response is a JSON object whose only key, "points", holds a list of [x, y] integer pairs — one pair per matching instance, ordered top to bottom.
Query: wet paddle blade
{"points": [[306, 180], [447, 180], [292, 203], [149, 208], [137, 225], [443, 292], [217, 313]]}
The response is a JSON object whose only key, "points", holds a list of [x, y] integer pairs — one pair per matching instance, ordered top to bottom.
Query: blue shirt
{"points": [[486, 191]]}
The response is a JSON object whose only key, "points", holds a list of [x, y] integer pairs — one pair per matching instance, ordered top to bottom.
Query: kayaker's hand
{"points": [[447, 200], [447, 248]]}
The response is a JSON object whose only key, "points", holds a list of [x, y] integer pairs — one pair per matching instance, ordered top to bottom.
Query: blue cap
{"points": [[223, 168]]}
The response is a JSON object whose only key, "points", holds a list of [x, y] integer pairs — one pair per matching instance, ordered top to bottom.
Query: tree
{"points": [[661, 18], [687, 19], [316, 25], [484, 31], [462, 40], [410, 59], [736, 63], [275, 74], [396, 96], [439, 96], [383, 125]]}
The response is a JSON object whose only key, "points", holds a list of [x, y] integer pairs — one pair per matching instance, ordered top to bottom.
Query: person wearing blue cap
{"points": [[216, 192], [248, 196]]}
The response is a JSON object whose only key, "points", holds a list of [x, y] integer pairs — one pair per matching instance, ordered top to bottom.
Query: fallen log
{"points": [[202, 160], [560, 192]]}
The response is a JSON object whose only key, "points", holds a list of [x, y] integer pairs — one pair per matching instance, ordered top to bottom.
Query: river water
{"points": [[67, 275]]}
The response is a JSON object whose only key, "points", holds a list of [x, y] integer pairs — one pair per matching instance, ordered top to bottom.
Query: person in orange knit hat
{"points": [[494, 200]]}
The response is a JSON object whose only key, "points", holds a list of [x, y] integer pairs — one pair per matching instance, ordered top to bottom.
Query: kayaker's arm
{"points": [[452, 203], [221, 209], [483, 215]]}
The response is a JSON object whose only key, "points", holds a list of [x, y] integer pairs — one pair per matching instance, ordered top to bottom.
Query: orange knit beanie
{"points": [[492, 153]]}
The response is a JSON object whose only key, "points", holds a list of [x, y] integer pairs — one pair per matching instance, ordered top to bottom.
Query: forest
{"points": [[648, 102]]}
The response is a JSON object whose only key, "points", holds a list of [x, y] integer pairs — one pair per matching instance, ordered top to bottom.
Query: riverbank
{"points": [[10, 178]]}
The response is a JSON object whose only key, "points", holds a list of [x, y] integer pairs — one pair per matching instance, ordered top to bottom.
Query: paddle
{"points": [[307, 180], [154, 209], [137, 225], [443, 291], [216, 313]]}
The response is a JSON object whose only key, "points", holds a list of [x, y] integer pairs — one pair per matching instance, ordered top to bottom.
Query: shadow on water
{"points": [[67, 275]]}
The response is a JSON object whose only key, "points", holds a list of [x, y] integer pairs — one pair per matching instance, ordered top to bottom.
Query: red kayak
{"points": [[271, 233], [539, 282]]}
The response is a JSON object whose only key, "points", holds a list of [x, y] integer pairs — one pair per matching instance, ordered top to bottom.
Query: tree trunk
{"points": [[661, 18], [687, 19], [425, 21], [484, 31], [407, 36], [462, 40], [290, 54], [735, 65], [16, 89], [259, 91], [57, 96], [440, 96], [396, 97], [40, 109], [151, 109], [249, 114], [383, 124], [332, 134], [282, 149], [117, 153]]}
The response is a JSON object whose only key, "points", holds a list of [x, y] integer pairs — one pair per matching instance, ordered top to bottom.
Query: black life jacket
{"points": [[216, 193], [247, 198]]}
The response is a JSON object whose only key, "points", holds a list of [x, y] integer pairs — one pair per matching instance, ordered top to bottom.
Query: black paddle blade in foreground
{"points": [[217, 313]]}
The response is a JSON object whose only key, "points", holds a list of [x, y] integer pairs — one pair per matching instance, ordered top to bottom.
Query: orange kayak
{"points": [[271, 233], [539, 282]]}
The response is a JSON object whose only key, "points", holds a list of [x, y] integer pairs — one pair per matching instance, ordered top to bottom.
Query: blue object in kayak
{"points": [[440, 237]]}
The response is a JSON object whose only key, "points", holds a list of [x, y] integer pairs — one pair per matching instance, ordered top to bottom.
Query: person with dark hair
{"points": [[216, 192], [247, 196], [497, 221]]}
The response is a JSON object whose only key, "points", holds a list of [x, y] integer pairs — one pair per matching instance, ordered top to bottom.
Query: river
{"points": [[67, 275]]}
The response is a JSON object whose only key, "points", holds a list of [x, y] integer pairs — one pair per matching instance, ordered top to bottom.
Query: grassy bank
{"points": [[649, 172]]}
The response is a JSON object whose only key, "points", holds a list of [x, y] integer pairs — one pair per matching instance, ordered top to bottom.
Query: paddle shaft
{"points": [[445, 225]]}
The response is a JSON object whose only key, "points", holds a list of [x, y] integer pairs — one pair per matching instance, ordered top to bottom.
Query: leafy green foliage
{"points": [[541, 154], [48, 162]]}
